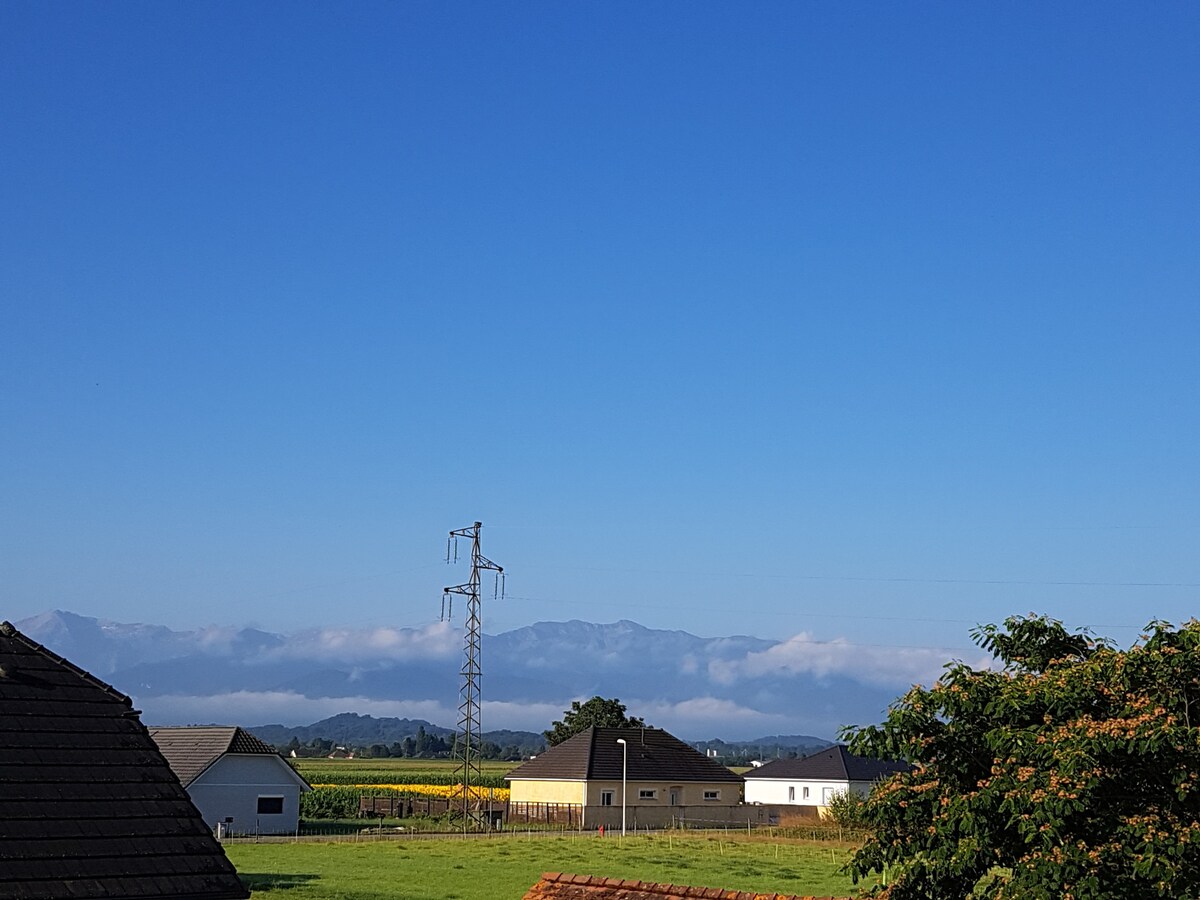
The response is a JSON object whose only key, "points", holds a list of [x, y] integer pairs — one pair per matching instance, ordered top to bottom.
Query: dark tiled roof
{"points": [[193, 749], [595, 755], [833, 764], [89, 808], [559, 886]]}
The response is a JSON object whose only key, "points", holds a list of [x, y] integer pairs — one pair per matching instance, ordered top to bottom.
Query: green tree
{"points": [[597, 712], [1071, 772]]}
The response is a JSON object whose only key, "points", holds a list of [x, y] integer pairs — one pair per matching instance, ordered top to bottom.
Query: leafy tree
{"points": [[597, 712], [1071, 772], [848, 810]]}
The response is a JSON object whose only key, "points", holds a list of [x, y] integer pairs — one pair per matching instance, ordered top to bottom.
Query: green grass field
{"points": [[497, 868]]}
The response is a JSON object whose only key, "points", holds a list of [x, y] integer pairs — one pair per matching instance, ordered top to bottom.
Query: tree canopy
{"points": [[597, 712], [1071, 772]]}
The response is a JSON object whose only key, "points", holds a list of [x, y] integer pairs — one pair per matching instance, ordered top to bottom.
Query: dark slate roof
{"points": [[191, 750], [595, 755], [832, 764], [89, 807]]}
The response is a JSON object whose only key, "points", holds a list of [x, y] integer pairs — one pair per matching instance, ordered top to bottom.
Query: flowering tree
{"points": [[1072, 772]]}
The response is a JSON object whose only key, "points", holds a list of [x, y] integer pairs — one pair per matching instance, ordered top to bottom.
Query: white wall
{"points": [[232, 785], [774, 791]]}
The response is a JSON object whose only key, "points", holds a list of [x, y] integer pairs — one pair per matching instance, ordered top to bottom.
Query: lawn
{"points": [[501, 867]]}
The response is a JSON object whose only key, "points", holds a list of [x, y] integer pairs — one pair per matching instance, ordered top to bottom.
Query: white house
{"points": [[814, 780], [238, 782]]}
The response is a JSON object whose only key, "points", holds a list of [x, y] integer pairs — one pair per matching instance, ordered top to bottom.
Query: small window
{"points": [[806, 793], [645, 794], [791, 794], [712, 795], [606, 798], [270, 806]]}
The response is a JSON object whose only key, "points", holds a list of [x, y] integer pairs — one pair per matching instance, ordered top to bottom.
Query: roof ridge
{"points": [[8, 629]]}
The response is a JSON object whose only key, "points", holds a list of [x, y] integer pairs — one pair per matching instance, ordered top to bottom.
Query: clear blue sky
{"points": [[860, 320]]}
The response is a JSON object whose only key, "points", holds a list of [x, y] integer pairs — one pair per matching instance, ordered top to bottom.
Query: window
{"points": [[806, 793], [645, 794], [791, 794], [712, 795], [606, 798], [270, 806]]}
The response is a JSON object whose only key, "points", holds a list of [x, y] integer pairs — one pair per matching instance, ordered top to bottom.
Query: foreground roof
{"points": [[192, 749], [594, 754], [833, 764], [89, 807], [559, 886]]}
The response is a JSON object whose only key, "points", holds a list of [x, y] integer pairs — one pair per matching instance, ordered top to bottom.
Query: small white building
{"points": [[814, 780], [238, 782]]}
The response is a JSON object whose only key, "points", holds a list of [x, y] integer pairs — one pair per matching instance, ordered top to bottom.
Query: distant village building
{"points": [[814, 780], [238, 782], [579, 783], [89, 808]]}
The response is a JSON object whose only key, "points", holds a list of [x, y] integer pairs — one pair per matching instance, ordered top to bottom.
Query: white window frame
{"points": [[647, 793], [791, 793], [712, 795], [606, 798]]}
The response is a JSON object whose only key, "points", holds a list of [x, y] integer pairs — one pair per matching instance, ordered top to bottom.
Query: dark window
{"points": [[606, 798], [270, 806]]}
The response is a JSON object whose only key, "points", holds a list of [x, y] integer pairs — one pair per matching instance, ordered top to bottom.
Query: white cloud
{"points": [[439, 640], [803, 654], [282, 707], [520, 716], [707, 717]]}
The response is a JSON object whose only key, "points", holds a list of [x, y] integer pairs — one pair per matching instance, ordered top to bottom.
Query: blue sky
{"points": [[852, 320]]}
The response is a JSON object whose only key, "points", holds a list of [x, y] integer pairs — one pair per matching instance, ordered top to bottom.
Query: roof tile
{"points": [[650, 754], [831, 764]]}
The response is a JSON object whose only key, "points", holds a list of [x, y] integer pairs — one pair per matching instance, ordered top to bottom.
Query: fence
{"points": [[569, 815]]}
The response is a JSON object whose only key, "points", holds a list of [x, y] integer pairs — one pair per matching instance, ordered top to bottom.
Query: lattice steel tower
{"points": [[467, 742]]}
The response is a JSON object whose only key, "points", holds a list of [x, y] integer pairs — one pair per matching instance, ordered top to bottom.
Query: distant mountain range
{"points": [[696, 687], [353, 730]]}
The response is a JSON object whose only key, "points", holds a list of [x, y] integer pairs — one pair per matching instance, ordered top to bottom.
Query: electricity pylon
{"points": [[468, 741]]}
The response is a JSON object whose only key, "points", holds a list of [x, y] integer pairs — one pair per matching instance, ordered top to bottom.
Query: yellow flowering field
{"points": [[449, 791]]}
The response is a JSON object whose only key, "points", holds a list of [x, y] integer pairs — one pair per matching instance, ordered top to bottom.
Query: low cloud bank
{"points": [[439, 640], [804, 654], [280, 707], [696, 718]]}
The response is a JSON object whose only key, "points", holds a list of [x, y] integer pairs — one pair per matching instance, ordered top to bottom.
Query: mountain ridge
{"points": [[736, 686]]}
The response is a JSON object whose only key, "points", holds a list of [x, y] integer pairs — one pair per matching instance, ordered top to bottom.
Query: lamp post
{"points": [[624, 769]]}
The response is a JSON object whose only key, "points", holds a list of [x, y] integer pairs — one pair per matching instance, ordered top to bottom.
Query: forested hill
{"points": [[371, 736]]}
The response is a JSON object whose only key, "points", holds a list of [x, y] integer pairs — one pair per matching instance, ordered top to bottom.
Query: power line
{"points": [[884, 579]]}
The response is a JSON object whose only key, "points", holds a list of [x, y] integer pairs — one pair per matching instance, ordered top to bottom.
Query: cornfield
{"points": [[368, 777], [341, 801]]}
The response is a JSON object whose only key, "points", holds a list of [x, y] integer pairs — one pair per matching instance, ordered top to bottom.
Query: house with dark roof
{"points": [[658, 779], [814, 780], [240, 784], [89, 808]]}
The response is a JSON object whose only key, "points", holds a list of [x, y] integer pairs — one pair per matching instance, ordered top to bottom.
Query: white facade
{"points": [[799, 791], [259, 792]]}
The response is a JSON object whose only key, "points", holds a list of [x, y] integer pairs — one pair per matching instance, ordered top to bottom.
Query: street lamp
{"points": [[624, 769]]}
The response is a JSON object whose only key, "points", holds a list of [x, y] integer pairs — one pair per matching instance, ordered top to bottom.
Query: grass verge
{"points": [[501, 867]]}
